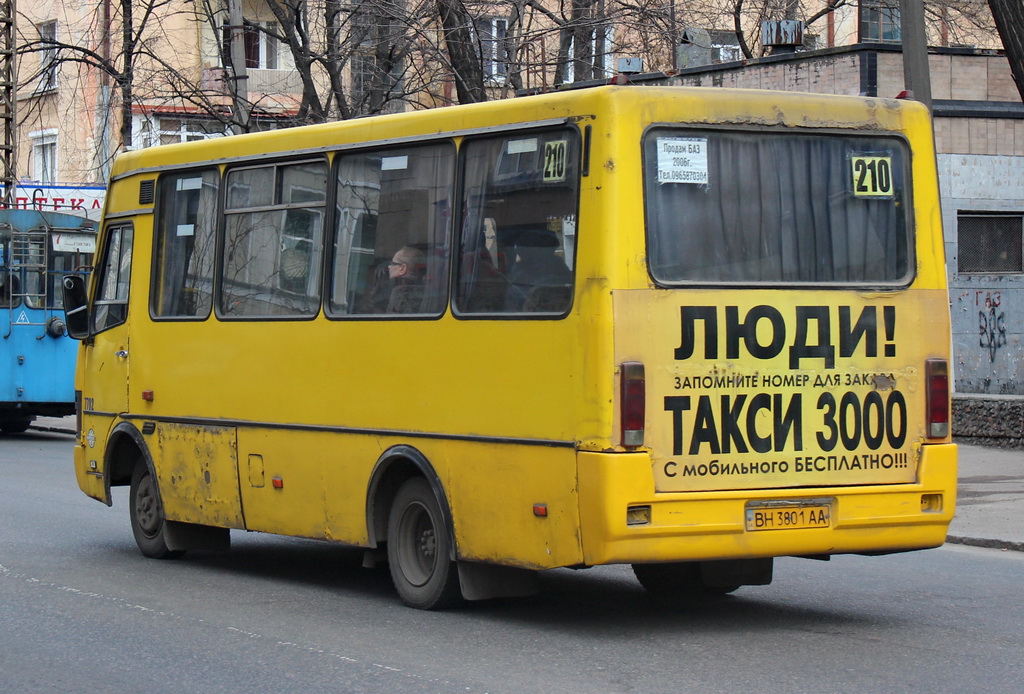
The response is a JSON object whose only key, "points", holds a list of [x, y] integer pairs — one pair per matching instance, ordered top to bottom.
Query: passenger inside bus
{"points": [[406, 271], [539, 279], [482, 286]]}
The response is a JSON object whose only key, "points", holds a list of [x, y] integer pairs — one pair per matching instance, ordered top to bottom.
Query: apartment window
{"points": [[880, 21], [492, 32], [262, 49], [48, 55], [596, 55], [368, 76], [152, 130], [44, 155], [989, 243]]}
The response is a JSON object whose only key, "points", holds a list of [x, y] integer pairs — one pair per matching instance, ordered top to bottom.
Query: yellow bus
{"points": [[686, 329]]}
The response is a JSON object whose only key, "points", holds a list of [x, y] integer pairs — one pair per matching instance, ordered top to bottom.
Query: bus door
{"points": [[106, 354]]}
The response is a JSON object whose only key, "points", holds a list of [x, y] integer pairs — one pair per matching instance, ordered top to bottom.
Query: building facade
{"points": [[70, 114]]}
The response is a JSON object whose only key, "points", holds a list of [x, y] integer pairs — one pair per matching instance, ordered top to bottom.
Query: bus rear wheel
{"points": [[147, 515], [420, 549], [680, 581]]}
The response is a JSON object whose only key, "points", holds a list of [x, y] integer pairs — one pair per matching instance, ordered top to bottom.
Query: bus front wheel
{"points": [[147, 515], [419, 549]]}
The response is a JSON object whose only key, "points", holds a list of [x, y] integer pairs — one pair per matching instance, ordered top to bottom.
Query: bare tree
{"points": [[1009, 19], [463, 47], [118, 59]]}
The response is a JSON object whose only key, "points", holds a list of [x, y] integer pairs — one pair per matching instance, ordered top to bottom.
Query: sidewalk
{"points": [[990, 499]]}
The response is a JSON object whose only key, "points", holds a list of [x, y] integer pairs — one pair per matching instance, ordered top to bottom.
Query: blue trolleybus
{"points": [[37, 358]]}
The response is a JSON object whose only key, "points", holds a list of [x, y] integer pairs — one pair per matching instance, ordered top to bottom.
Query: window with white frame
{"points": [[492, 32], [262, 49], [597, 54], [48, 55], [152, 130], [44, 155]]}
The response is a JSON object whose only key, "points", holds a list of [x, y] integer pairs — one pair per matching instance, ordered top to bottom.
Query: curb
{"points": [[53, 430], [1005, 545]]}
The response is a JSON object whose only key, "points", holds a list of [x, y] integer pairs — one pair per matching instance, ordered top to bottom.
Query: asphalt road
{"points": [[82, 611]]}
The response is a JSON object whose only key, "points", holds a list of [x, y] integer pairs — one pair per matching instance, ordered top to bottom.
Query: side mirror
{"points": [[76, 306]]}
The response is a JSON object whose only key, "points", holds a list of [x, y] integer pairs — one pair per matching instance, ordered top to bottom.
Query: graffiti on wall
{"points": [[991, 322]]}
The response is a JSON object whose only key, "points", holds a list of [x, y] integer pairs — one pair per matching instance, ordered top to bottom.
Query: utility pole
{"points": [[916, 76], [239, 77], [8, 101]]}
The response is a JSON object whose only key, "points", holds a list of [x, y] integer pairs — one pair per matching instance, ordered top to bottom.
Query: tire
{"points": [[15, 426], [147, 515], [420, 549], [679, 581]]}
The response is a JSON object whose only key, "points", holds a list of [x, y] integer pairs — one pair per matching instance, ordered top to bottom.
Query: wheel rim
{"points": [[147, 510], [417, 540]]}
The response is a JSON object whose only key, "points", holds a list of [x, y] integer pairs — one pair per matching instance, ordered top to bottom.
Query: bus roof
{"points": [[702, 105]]}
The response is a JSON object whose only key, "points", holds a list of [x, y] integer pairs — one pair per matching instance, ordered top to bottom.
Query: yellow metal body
{"points": [[277, 426]]}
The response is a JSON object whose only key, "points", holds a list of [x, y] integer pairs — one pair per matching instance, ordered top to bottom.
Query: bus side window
{"points": [[393, 205], [186, 226], [273, 240], [518, 245], [111, 305]]}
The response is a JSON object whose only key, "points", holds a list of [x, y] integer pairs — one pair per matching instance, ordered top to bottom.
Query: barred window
{"points": [[989, 243]]}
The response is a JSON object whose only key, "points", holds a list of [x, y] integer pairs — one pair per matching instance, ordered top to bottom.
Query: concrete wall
{"points": [[987, 310]]}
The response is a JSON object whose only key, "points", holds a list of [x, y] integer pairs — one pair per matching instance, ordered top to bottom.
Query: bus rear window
{"points": [[776, 208]]}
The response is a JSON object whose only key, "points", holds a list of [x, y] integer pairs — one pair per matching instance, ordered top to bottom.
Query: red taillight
{"points": [[632, 402], [937, 408]]}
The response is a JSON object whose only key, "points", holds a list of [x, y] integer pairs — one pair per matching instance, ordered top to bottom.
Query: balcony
{"points": [[261, 83]]}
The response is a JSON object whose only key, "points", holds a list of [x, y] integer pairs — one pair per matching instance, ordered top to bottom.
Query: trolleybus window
{"points": [[770, 208], [519, 230], [391, 236], [273, 240], [185, 242], [7, 276]]}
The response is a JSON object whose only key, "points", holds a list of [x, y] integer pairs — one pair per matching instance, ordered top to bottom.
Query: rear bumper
{"points": [[711, 525]]}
